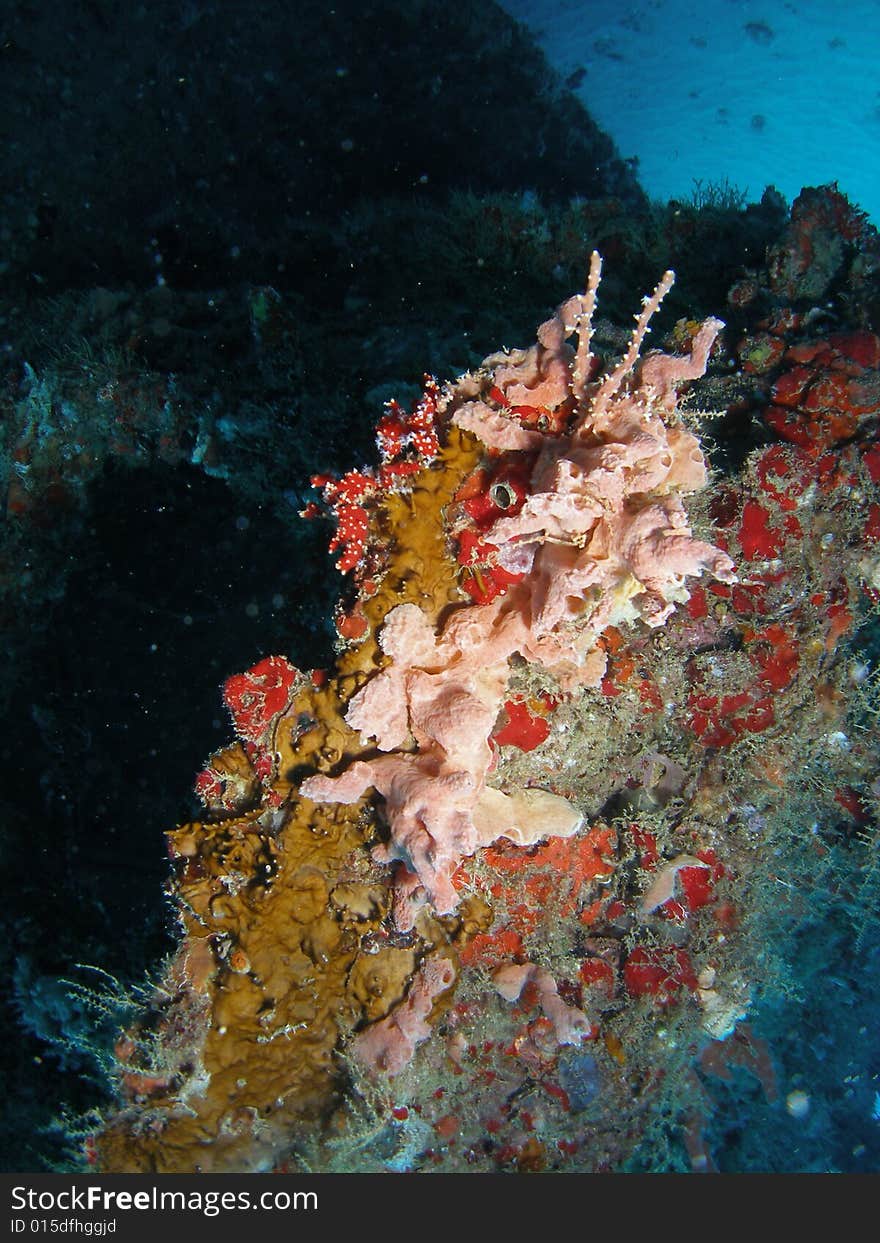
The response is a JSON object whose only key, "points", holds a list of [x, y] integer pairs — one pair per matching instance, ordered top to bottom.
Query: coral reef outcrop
{"points": [[518, 518]]}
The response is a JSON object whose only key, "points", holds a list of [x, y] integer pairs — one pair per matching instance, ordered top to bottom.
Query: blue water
{"points": [[756, 94]]}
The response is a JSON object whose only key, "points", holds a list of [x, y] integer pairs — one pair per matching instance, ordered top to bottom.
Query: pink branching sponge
{"points": [[603, 533], [598, 537], [570, 1024], [389, 1044]]}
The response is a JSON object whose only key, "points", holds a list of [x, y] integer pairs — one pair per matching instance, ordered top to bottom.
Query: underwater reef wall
{"points": [[320, 109], [483, 894]]}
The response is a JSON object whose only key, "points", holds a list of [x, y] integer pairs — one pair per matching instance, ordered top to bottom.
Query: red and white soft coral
{"points": [[407, 442]]}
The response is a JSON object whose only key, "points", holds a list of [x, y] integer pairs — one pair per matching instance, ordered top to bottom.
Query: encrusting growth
{"points": [[515, 515], [598, 537]]}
